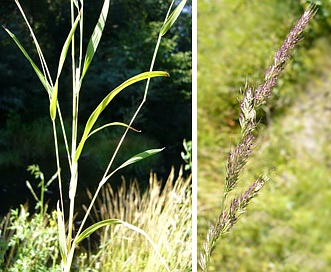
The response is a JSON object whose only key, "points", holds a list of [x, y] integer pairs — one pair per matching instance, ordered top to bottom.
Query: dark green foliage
{"points": [[125, 50]]}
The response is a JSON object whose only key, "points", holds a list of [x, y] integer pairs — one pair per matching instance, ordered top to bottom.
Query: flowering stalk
{"points": [[281, 57], [237, 159]]}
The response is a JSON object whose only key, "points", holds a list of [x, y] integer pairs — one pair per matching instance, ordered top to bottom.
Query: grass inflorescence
{"points": [[253, 99]]}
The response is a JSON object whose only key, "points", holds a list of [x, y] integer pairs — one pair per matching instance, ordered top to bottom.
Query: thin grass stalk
{"points": [[81, 28], [40, 54], [44, 67], [49, 80], [75, 105], [64, 134], [57, 156], [237, 159], [74, 165], [58, 171], [106, 176], [88, 210], [73, 243], [67, 251]]}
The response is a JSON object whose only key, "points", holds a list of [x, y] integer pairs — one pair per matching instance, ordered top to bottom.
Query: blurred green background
{"points": [[287, 227]]}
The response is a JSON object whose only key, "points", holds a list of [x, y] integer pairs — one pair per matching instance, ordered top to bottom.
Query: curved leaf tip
{"points": [[172, 18], [103, 104]]}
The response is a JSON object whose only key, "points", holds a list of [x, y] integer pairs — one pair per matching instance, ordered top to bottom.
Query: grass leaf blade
{"points": [[172, 18], [95, 38], [66, 45], [65, 48], [40, 75], [52, 105], [95, 114], [112, 124], [139, 157], [134, 159], [107, 222], [87, 232], [62, 234]]}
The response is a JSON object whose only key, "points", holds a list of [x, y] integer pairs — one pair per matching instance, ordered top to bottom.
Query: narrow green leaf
{"points": [[172, 18], [95, 38], [66, 45], [65, 48], [40, 75], [104, 103], [52, 105], [113, 124], [139, 157], [134, 159], [107, 222], [86, 233], [62, 234]]}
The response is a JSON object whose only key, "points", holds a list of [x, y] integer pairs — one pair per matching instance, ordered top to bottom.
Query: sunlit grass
{"points": [[163, 211], [285, 227], [68, 237]]}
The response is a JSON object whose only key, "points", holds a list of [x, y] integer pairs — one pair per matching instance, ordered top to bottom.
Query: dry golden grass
{"points": [[162, 211]]}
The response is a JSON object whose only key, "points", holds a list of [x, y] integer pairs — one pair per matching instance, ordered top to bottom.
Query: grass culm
{"points": [[81, 58], [253, 99], [163, 210]]}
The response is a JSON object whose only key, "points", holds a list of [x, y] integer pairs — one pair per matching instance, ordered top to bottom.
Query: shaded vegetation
{"points": [[126, 49]]}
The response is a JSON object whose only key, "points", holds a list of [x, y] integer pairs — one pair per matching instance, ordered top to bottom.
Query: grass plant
{"points": [[253, 99], [163, 210], [67, 239]]}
